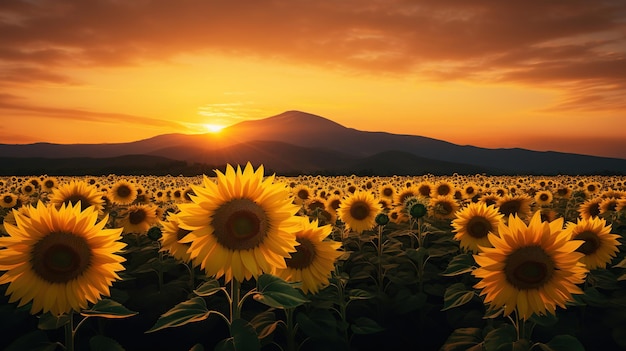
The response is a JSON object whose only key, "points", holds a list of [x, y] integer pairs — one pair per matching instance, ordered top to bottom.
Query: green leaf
{"points": [[417, 255], [460, 264], [621, 264], [208, 288], [276, 292], [360, 294], [456, 295], [108, 309], [192, 310], [547, 320], [48, 321], [264, 323], [318, 324], [365, 325], [243, 337], [500, 338], [462, 339], [34, 341], [102, 343], [562, 343]]}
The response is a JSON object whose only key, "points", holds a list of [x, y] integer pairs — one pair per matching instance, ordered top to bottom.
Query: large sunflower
{"points": [[77, 192], [358, 211], [473, 223], [241, 226], [599, 245], [60, 259], [314, 259], [530, 269]]}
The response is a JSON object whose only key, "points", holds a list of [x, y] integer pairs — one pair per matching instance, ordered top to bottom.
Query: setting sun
{"points": [[213, 128]]}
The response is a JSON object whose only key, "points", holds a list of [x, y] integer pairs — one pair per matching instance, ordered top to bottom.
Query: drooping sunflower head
{"points": [[76, 192], [123, 192], [358, 211], [472, 224], [240, 226], [599, 245], [60, 259], [314, 259], [530, 268]]}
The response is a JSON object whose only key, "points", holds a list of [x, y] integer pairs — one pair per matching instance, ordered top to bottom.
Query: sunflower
{"points": [[49, 183], [424, 188], [442, 188], [28, 189], [470, 190], [386, 191], [76, 192], [123, 192], [301, 193], [402, 195], [543, 197], [8, 200], [333, 202], [518, 205], [443, 206], [608, 206], [590, 208], [358, 211], [139, 218], [473, 223], [241, 225], [170, 241], [599, 245], [60, 259], [314, 259], [531, 269]]}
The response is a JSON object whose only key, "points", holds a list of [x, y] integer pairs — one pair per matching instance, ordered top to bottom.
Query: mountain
{"points": [[296, 141]]}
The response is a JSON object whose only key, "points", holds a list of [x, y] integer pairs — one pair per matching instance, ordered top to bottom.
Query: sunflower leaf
{"points": [[460, 264], [208, 288], [276, 292], [359, 294], [456, 295], [108, 308], [192, 310], [48, 321], [265, 323], [365, 325], [243, 338], [501, 338], [463, 339], [36, 341], [102, 343], [562, 343]]}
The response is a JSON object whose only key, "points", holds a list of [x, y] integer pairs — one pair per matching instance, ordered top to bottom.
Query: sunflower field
{"points": [[242, 260]]}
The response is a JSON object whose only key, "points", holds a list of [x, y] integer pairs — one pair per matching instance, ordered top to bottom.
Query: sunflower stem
{"points": [[235, 292], [291, 330], [70, 333]]}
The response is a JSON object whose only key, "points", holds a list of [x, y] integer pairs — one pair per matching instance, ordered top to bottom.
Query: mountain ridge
{"points": [[327, 145]]}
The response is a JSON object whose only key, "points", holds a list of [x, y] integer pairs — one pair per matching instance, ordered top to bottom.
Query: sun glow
{"points": [[213, 128]]}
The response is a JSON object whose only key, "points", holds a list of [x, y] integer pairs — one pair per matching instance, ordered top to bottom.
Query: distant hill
{"points": [[296, 141]]}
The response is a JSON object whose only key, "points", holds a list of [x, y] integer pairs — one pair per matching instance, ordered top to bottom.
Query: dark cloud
{"points": [[572, 44]]}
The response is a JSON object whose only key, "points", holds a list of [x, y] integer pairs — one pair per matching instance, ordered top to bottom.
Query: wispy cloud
{"points": [[576, 46]]}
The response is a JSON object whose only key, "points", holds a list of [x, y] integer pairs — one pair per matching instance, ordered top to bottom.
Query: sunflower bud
{"points": [[418, 210], [382, 219], [155, 233]]}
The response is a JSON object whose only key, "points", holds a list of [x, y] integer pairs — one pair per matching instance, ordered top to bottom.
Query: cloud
{"points": [[569, 45], [13, 106]]}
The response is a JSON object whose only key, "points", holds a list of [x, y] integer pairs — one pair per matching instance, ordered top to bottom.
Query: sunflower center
{"points": [[48, 184], [424, 190], [443, 190], [123, 191], [387, 192], [303, 194], [544, 197], [75, 198], [7, 199], [510, 207], [594, 209], [359, 210], [136, 217], [240, 224], [478, 227], [591, 244], [304, 255], [60, 257], [528, 268]]}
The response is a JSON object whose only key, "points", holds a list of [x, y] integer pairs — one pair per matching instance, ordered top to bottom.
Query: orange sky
{"points": [[486, 73]]}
